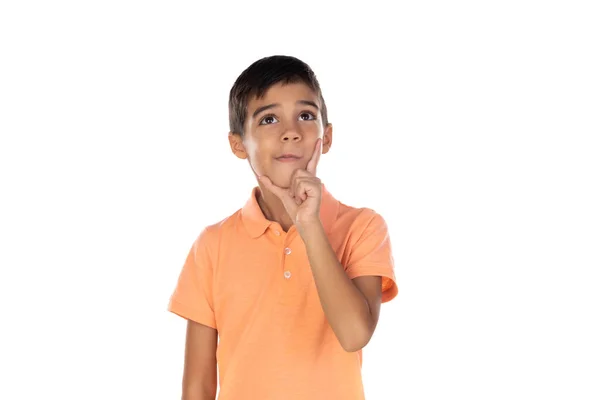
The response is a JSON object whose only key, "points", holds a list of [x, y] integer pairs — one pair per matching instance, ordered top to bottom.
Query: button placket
{"points": [[287, 274]]}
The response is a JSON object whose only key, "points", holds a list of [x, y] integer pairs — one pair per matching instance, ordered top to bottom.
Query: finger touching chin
{"points": [[281, 180]]}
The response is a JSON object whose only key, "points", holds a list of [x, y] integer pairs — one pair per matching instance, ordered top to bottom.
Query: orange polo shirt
{"points": [[252, 282]]}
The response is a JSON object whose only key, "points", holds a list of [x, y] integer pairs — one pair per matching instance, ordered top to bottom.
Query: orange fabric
{"points": [[252, 282]]}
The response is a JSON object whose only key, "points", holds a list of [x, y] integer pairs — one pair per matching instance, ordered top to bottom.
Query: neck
{"points": [[273, 209]]}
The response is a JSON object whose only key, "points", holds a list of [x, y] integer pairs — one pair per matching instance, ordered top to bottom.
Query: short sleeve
{"points": [[371, 254], [192, 298]]}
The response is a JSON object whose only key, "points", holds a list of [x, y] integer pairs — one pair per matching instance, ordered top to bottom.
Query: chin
{"points": [[279, 180], [283, 183]]}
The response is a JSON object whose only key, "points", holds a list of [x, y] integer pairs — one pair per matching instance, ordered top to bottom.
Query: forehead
{"points": [[283, 94]]}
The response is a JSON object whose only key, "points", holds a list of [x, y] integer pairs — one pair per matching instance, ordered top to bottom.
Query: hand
{"points": [[302, 200]]}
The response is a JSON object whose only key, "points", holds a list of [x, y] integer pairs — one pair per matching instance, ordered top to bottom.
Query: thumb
{"points": [[276, 190]]}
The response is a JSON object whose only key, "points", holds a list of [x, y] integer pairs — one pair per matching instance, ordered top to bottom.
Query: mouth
{"points": [[288, 158]]}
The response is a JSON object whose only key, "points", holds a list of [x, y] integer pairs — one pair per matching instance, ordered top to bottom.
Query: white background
{"points": [[472, 127]]}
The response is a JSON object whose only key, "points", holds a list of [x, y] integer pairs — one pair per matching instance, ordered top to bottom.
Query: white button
{"points": [[277, 233], [288, 250], [287, 274]]}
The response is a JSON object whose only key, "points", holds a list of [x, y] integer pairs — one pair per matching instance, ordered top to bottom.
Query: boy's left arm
{"points": [[350, 305]]}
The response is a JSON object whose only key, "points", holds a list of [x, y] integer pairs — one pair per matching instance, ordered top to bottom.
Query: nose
{"points": [[291, 135]]}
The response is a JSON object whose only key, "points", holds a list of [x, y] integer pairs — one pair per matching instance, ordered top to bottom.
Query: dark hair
{"points": [[260, 76]]}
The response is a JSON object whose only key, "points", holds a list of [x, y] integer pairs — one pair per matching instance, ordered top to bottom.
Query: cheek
{"points": [[319, 128], [250, 146], [260, 155]]}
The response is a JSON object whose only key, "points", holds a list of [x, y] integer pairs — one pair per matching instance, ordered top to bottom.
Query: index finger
{"points": [[314, 160]]}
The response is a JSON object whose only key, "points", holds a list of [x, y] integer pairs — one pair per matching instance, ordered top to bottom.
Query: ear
{"points": [[327, 138], [237, 145]]}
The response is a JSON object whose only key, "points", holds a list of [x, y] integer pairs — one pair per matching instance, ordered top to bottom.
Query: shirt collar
{"points": [[256, 224]]}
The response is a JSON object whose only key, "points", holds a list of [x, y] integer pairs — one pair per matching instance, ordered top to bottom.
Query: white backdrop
{"points": [[472, 127]]}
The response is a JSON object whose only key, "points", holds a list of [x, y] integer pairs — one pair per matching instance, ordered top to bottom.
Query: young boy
{"points": [[291, 284]]}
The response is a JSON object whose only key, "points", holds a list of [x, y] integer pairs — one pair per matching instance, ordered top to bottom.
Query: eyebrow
{"points": [[268, 106]]}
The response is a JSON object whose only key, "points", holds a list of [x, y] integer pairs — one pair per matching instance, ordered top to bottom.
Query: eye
{"points": [[307, 116], [268, 120]]}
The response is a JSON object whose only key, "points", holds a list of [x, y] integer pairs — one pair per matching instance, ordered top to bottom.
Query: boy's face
{"points": [[286, 121]]}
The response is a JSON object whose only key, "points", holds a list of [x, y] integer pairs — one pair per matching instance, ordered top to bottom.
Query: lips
{"points": [[289, 155], [288, 158]]}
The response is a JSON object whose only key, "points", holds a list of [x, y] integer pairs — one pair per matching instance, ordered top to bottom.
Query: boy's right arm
{"points": [[200, 366]]}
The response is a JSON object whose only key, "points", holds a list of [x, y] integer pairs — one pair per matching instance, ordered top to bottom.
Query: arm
{"points": [[351, 306], [200, 367]]}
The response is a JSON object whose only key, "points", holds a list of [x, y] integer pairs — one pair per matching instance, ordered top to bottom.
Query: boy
{"points": [[291, 283]]}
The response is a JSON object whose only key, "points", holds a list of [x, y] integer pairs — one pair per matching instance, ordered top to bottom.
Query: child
{"points": [[291, 284]]}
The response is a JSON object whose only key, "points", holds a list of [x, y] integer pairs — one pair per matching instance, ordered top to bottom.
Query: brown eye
{"points": [[306, 116], [268, 120]]}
